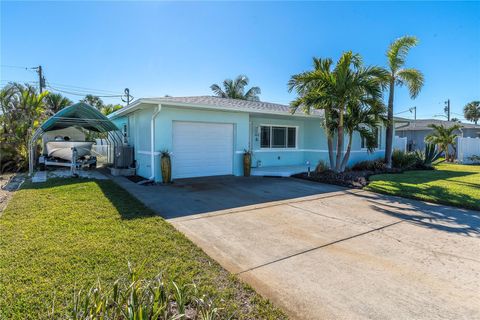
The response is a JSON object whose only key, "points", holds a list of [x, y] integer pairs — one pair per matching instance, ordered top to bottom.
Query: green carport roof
{"points": [[81, 115]]}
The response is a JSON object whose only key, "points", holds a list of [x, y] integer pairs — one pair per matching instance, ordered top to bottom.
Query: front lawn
{"points": [[451, 184], [67, 234]]}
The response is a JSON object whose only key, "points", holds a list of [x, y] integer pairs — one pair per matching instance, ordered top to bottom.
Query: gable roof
{"points": [[212, 102], [422, 124]]}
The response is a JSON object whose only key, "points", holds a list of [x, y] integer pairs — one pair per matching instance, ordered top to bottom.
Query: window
{"points": [[265, 137], [278, 137], [378, 140]]}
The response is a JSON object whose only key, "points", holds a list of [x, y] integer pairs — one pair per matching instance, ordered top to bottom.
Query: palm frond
{"points": [[398, 50], [413, 79]]}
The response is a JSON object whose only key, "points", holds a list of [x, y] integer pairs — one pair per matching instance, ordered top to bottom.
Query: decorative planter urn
{"points": [[247, 163], [166, 166]]}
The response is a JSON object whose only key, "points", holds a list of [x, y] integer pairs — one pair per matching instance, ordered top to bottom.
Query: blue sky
{"points": [[181, 48]]}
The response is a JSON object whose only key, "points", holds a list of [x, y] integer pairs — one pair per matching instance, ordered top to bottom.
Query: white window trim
{"points": [[271, 136]]}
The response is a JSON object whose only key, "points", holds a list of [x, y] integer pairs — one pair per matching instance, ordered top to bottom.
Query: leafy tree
{"points": [[399, 75], [235, 89], [344, 92], [93, 101], [56, 102], [97, 103], [110, 108], [23, 110], [471, 111], [455, 120], [444, 137]]}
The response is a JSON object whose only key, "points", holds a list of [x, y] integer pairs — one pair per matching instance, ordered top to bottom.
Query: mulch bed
{"points": [[136, 179], [350, 179]]}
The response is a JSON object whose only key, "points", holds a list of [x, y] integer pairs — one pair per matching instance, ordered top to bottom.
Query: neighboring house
{"points": [[416, 130], [207, 136]]}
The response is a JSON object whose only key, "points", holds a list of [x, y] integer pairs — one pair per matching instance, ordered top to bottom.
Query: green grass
{"points": [[451, 184], [67, 234]]}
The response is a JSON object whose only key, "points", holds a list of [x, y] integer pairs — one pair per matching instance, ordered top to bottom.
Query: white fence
{"points": [[400, 143], [466, 148]]}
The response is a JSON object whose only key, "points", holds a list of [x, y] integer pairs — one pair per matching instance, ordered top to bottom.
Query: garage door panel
{"points": [[202, 149]]}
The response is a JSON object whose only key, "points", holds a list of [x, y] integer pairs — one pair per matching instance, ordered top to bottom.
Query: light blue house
{"points": [[208, 135]]}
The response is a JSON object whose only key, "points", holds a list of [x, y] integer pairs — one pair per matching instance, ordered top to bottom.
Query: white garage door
{"points": [[202, 149]]}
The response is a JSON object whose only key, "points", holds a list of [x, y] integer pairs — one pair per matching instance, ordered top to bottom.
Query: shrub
{"points": [[426, 158], [475, 159], [404, 160], [369, 165], [322, 166], [142, 299]]}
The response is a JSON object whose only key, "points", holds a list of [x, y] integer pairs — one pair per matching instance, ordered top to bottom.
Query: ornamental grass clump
{"points": [[136, 298]]}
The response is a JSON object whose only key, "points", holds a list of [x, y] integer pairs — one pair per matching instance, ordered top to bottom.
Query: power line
{"points": [[14, 67], [67, 86], [84, 93]]}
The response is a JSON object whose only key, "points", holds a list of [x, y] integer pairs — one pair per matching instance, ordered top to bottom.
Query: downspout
{"points": [[152, 142]]}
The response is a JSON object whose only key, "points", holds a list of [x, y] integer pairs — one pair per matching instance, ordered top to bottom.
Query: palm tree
{"points": [[399, 75], [305, 84], [235, 89], [335, 90], [93, 101], [56, 102], [110, 108], [471, 111], [364, 119], [443, 137]]}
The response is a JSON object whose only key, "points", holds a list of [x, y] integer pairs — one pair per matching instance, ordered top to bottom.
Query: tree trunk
{"points": [[389, 139], [339, 141], [329, 142], [330, 151], [347, 154]]}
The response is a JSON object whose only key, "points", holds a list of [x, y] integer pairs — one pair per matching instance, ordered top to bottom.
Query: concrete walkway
{"points": [[339, 253]]}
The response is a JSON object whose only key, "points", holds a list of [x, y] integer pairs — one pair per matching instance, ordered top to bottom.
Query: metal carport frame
{"points": [[79, 115]]}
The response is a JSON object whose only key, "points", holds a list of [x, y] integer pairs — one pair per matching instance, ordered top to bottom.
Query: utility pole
{"points": [[41, 78], [127, 93], [447, 109]]}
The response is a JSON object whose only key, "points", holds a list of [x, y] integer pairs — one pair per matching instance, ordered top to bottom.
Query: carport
{"points": [[79, 115]]}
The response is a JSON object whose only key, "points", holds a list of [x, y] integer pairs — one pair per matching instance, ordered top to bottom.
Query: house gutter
{"points": [[152, 141]]}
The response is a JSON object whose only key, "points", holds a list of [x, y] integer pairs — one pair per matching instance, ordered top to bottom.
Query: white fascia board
{"points": [[136, 104]]}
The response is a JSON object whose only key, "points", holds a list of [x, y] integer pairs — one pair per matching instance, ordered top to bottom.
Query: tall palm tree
{"points": [[399, 75], [235, 89], [334, 89], [56, 102], [471, 111], [443, 137]]}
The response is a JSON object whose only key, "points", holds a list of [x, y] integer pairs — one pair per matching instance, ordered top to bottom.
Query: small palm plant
{"points": [[444, 137]]}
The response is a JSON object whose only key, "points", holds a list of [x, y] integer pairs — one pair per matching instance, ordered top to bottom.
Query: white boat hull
{"points": [[63, 149]]}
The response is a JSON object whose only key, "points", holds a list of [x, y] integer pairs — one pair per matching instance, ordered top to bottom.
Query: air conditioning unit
{"points": [[123, 157]]}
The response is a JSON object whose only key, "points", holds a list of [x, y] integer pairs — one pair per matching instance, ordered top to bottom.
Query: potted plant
{"points": [[247, 162], [166, 166]]}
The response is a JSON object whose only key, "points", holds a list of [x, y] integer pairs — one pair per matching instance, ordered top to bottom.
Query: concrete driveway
{"points": [[323, 252]]}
